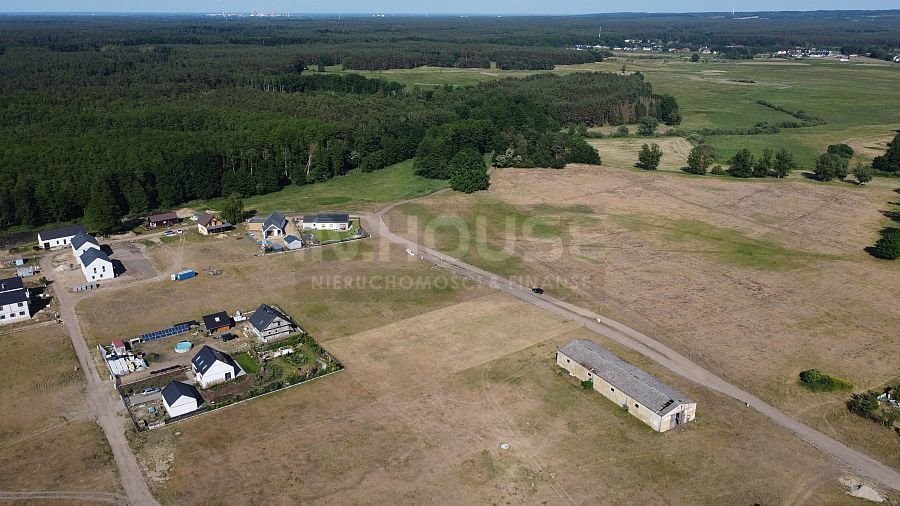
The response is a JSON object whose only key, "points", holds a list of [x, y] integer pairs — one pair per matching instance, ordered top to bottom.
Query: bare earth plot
{"points": [[755, 281], [403, 424], [47, 437]]}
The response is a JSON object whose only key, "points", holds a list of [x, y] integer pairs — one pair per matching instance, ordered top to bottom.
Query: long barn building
{"points": [[645, 397]]}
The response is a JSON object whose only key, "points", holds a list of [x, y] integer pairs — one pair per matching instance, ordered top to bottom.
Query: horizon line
{"points": [[423, 14]]}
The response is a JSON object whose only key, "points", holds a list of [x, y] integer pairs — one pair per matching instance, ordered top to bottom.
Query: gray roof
{"points": [[162, 217], [205, 218], [326, 218], [276, 220], [59, 233], [82, 238], [291, 238], [91, 255], [12, 291], [264, 316], [216, 320], [207, 356], [632, 381], [176, 390]]}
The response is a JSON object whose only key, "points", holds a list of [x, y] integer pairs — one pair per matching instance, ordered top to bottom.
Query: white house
{"points": [[334, 221], [60, 237], [81, 242], [293, 242], [96, 265], [14, 301], [270, 324], [211, 366], [645, 397], [180, 399]]}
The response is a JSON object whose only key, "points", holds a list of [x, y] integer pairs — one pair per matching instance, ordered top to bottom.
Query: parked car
{"points": [[180, 231], [168, 233], [537, 290], [228, 337], [150, 391]]}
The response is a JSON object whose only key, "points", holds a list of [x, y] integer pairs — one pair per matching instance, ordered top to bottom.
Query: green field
{"points": [[857, 100], [353, 192]]}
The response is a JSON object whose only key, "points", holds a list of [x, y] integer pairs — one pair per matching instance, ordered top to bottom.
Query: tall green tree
{"points": [[647, 126], [649, 157], [700, 158], [890, 160], [741, 164], [763, 164], [783, 164], [828, 166], [468, 172], [863, 173], [233, 209], [103, 214], [888, 246]]}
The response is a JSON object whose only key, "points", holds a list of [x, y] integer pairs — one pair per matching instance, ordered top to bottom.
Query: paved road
{"points": [[647, 346], [102, 399]]}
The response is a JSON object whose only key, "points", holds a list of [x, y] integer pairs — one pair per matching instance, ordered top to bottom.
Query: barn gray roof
{"points": [[276, 220], [59, 233], [91, 255], [12, 291], [632, 381]]}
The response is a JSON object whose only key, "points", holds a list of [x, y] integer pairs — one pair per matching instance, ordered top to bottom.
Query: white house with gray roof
{"points": [[327, 221], [59, 237], [81, 242], [96, 265], [14, 301], [270, 324], [210, 367], [645, 397]]}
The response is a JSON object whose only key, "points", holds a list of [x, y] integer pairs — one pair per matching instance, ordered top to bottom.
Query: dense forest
{"points": [[134, 128]]}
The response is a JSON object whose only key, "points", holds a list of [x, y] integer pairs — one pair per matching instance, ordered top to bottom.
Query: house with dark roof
{"points": [[162, 220], [327, 221], [210, 224], [273, 225], [59, 237], [82, 242], [293, 242], [96, 265], [14, 301], [217, 322], [270, 324], [210, 366], [645, 397], [180, 399]]}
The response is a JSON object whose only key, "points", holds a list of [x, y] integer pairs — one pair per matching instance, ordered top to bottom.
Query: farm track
{"points": [[637, 341], [73, 495]]}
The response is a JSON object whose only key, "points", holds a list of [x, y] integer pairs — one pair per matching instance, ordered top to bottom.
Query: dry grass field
{"points": [[624, 152], [754, 280], [421, 420], [46, 434]]}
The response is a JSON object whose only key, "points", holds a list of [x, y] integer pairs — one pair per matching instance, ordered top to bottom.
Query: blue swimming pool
{"points": [[183, 347]]}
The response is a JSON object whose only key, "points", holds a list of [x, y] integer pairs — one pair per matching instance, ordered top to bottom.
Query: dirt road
{"points": [[662, 354], [102, 400]]}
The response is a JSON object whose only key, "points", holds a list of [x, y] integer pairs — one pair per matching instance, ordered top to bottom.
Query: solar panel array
{"points": [[171, 331]]}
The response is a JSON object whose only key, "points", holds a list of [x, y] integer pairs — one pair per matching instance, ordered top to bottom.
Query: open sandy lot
{"points": [[754, 280], [421, 421], [46, 433]]}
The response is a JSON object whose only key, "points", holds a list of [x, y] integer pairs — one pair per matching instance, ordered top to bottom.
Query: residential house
{"points": [[162, 220], [329, 221], [210, 224], [273, 225], [60, 237], [81, 242], [293, 242], [96, 265], [14, 301], [217, 322], [270, 324], [211, 366], [646, 398], [180, 399]]}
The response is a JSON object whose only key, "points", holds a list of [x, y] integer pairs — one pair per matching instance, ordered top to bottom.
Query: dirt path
{"points": [[660, 353], [102, 402], [74, 495]]}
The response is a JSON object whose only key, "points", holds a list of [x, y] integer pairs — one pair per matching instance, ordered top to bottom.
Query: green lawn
{"points": [[354, 192], [334, 235], [247, 363]]}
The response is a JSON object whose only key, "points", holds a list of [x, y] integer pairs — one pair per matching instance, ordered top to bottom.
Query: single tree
{"points": [[695, 57], [647, 126], [622, 131], [842, 150], [649, 157], [700, 158], [890, 160], [741, 164], [763, 164], [783, 164], [827, 166], [468, 172], [863, 173], [233, 210], [888, 246]]}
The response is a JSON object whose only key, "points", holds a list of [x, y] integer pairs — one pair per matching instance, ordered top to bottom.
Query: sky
{"points": [[420, 6]]}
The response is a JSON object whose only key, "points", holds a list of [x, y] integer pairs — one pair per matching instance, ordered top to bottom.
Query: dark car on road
{"points": [[537, 290], [228, 337]]}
